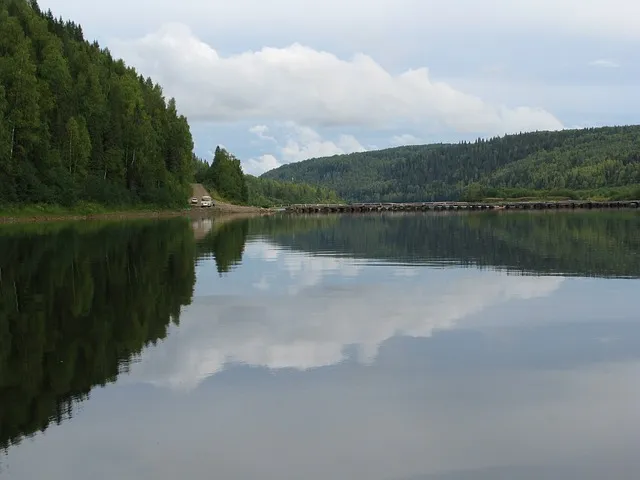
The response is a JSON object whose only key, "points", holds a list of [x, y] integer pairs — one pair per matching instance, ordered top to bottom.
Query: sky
{"points": [[285, 80]]}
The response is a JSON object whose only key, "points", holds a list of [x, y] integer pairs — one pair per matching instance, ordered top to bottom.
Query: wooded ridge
{"points": [[586, 163]]}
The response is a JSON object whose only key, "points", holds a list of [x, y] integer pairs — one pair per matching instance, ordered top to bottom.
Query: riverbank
{"points": [[42, 213]]}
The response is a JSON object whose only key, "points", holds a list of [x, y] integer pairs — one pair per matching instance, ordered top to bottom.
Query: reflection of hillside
{"points": [[603, 244], [77, 303]]}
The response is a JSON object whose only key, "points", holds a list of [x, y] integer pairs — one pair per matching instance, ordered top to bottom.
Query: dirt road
{"points": [[199, 191], [220, 208]]}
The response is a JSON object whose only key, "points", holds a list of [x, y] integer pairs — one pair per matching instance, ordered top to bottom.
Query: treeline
{"points": [[77, 124], [594, 161], [223, 176], [226, 178], [265, 192], [77, 303]]}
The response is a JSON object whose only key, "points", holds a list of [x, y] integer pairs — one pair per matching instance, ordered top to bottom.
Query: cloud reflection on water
{"points": [[308, 323]]}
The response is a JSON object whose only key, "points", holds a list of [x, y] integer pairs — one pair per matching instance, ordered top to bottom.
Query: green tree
{"points": [[21, 90], [5, 145], [79, 147], [226, 177]]}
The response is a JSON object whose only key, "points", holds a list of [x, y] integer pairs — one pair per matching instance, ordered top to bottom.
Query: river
{"points": [[426, 346]]}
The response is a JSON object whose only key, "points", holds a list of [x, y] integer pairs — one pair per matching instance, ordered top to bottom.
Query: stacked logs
{"points": [[459, 206]]}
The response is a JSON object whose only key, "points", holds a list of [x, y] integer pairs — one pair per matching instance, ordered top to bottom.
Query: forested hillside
{"points": [[77, 124], [604, 161], [225, 177], [265, 192]]}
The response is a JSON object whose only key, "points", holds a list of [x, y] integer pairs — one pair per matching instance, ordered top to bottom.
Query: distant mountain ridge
{"points": [[565, 162]]}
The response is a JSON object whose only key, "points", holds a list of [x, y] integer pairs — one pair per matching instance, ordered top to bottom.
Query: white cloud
{"points": [[604, 63], [312, 87], [261, 132], [406, 139], [305, 142], [299, 143], [257, 166], [261, 250], [309, 270], [406, 271]]}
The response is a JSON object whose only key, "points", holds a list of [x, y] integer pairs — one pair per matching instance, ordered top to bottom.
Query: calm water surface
{"points": [[393, 347]]}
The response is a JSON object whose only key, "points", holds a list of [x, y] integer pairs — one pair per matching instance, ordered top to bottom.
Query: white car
{"points": [[193, 201], [206, 201]]}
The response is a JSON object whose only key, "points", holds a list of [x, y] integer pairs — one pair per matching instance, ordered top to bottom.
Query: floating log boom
{"points": [[459, 206]]}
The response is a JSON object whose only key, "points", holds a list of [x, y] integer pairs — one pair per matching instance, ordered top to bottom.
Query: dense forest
{"points": [[78, 125], [593, 162], [225, 177], [265, 192], [77, 303]]}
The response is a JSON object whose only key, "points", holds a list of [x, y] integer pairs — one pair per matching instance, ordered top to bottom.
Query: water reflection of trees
{"points": [[225, 243], [601, 244], [604, 244], [77, 303]]}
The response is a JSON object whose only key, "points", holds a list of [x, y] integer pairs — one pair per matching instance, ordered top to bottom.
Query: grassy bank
{"points": [[83, 208], [92, 211]]}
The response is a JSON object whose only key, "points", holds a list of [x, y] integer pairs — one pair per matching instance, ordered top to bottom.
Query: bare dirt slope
{"points": [[198, 191]]}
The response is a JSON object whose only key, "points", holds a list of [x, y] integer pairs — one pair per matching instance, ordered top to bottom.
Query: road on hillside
{"points": [[198, 191]]}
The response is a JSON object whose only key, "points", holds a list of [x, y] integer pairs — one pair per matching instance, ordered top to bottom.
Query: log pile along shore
{"points": [[458, 206]]}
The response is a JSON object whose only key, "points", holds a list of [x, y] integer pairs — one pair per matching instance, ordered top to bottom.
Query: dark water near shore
{"points": [[393, 347]]}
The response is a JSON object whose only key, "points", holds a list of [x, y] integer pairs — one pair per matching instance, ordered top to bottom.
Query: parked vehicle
{"points": [[194, 201], [206, 201]]}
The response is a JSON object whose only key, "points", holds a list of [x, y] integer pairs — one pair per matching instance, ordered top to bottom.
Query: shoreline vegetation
{"points": [[94, 211], [53, 213]]}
